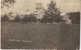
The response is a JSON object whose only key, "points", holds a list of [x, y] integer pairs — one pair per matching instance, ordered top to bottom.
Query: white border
{"points": [[0, 24], [80, 30], [31, 49]]}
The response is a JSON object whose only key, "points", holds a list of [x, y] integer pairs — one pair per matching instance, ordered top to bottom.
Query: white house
{"points": [[65, 17]]}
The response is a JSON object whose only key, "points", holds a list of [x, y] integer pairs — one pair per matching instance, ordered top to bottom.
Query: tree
{"points": [[7, 3], [52, 14], [4, 18], [29, 18], [32, 18], [17, 19], [25, 19]]}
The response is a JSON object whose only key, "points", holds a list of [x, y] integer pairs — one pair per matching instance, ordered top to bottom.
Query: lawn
{"points": [[18, 35]]}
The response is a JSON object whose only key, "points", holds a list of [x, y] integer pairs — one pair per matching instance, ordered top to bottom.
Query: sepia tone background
{"points": [[21, 6], [47, 24]]}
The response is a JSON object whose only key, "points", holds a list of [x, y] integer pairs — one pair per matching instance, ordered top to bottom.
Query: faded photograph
{"points": [[40, 24]]}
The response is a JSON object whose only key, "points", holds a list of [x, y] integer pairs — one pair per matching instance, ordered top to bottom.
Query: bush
{"points": [[4, 18], [17, 19]]}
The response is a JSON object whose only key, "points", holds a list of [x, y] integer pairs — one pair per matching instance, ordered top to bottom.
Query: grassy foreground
{"points": [[18, 35]]}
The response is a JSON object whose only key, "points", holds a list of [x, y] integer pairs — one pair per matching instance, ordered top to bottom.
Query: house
{"points": [[71, 17], [75, 17], [65, 18]]}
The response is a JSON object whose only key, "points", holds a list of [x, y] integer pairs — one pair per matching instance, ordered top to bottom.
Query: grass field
{"points": [[18, 35]]}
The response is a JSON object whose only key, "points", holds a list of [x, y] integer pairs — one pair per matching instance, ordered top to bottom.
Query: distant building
{"points": [[65, 17], [71, 17], [75, 17]]}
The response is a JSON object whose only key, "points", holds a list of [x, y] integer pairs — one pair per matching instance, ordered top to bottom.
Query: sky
{"points": [[21, 6]]}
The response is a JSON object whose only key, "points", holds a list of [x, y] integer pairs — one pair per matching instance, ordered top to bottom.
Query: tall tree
{"points": [[7, 3], [6, 6], [52, 14]]}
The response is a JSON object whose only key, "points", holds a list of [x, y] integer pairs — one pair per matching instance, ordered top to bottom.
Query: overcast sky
{"points": [[65, 5]]}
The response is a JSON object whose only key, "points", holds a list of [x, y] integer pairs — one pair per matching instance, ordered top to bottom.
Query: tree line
{"points": [[51, 15]]}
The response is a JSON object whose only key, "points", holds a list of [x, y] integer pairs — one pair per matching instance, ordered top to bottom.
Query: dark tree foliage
{"points": [[7, 3], [52, 14], [4, 18], [29, 18], [32, 18], [17, 19], [25, 19]]}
